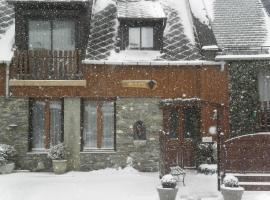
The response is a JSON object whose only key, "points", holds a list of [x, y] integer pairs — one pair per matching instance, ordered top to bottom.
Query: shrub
{"points": [[57, 152], [7, 153], [206, 153], [207, 168], [168, 181], [230, 181]]}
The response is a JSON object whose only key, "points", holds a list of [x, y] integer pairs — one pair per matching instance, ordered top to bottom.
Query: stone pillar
{"points": [[72, 133]]}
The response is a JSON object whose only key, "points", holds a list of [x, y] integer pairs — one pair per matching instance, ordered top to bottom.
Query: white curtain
{"points": [[39, 35], [51, 35], [63, 35], [147, 37], [134, 38], [264, 85], [55, 122], [90, 124], [38, 125], [108, 125]]}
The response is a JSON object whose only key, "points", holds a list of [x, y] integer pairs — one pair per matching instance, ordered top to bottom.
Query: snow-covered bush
{"points": [[57, 152], [7, 153], [206, 153], [207, 168], [168, 181], [230, 181]]}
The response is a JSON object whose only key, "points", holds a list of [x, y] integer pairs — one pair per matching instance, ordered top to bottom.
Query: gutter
{"points": [[242, 57], [155, 63], [7, 79]]}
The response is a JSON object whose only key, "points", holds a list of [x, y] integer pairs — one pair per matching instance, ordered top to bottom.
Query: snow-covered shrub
{"points": [[57, 152], [7, 153], [206, 154], [207, 168], [168, 181], [230, 181]]}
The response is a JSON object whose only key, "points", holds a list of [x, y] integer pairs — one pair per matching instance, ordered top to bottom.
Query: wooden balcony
{"points": [[46, 65], [264, 116]]}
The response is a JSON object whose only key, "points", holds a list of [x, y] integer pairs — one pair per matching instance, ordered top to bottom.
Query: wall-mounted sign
{"points": [[147, 84], [207, 139]]}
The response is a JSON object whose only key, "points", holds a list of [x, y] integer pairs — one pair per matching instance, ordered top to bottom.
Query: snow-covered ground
{"points": [[108, 184]]}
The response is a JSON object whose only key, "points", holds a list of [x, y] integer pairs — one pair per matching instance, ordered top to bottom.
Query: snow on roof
{"points": [[49, 1], [101, 5], [140, 9], [183, 9], [203, 10], [239, 23], [267, 27], [7, 31], [6, 44], [134, 55]]}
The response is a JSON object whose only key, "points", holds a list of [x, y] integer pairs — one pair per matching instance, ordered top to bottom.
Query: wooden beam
{"points": [[48, 83]]}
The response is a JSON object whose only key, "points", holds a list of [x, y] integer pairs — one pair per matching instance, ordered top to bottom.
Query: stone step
{"points": [[254, 181], [255, 186]]}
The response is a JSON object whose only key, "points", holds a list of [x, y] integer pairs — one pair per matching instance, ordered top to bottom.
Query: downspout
{"points": [[7, 79]]}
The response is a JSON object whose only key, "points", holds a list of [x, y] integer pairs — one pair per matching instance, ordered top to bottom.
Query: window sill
{"points": [[93, 151], [37, 152]]}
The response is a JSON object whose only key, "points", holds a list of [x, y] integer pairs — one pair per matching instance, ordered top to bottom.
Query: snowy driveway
{"points": [[108, 184]]}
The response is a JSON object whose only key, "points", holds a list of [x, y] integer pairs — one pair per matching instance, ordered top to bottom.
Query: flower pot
{"points": [[59, 166], [7, 168], [167, 193], [232, 193]]}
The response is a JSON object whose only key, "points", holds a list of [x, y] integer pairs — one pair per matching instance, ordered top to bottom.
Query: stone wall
{"points": [[14, 130], [144, 155]]}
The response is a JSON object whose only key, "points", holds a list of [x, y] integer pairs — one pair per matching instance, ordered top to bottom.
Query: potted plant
{"points": [[7, 154], [57, 154], [230, 188], [168, 189]]}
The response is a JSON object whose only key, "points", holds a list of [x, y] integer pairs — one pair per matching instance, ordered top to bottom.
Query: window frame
{"points": [[51, 29], [140, 37], [46, 122], [99, 125]]}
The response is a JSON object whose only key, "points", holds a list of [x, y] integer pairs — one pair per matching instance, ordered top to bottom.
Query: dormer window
{"points": [[141, 25], [141, 38]]}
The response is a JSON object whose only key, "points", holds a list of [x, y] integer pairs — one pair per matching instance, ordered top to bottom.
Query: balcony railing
{"points": [[46, 65], [264, 116]]}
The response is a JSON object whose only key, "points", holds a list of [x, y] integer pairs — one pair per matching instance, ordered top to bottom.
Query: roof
{"points": [[140, 9], [239, 23], [7, 31], [179, 40]]}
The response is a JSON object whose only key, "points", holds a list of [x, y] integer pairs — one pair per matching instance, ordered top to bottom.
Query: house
{"points": [[245, 48], [105, 77]]}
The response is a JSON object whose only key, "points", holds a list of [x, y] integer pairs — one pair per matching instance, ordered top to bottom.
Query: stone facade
{"points": [[14, 130], [143, 154]]}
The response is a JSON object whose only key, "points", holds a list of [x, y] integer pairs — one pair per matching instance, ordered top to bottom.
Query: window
{"points": [[51, 35], [141, 38], [264, 85], [174, 123], [46, 124], [98, 124]]}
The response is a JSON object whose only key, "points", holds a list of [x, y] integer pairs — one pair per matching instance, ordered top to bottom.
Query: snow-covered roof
{"points": [[140, 9], [239, 23], [7, 31], [179, 39]]}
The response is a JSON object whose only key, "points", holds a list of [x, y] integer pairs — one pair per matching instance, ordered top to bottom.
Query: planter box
{"points": [[59, 166], [7, 168], [167, 193], [230, 193]]}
